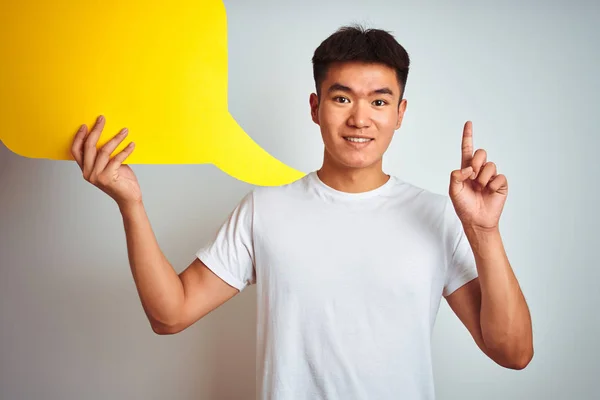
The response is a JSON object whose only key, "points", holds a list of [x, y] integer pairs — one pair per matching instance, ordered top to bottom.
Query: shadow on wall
{"points": [[233, 337]]}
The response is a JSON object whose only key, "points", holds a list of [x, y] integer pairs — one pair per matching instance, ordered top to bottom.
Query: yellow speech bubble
{"points": [[158, 68]]}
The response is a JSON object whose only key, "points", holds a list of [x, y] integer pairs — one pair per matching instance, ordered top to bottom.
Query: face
{"points": [[358, 112]]}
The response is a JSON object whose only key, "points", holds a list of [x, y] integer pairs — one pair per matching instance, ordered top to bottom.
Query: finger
{"points": [[77, 145], [467, 145], [89, 148], [105, 152], [121, 157], [479, 159], [487, 172], [457, 179], [499, 184]]}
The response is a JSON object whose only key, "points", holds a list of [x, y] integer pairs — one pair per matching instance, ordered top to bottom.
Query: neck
{"points": [[353, 180]]}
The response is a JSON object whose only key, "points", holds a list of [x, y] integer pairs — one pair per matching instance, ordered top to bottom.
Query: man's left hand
{"points": [[477, 191]]}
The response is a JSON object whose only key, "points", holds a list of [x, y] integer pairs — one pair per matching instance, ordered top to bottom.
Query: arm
{"points": [[171, 302], [492, 307]]}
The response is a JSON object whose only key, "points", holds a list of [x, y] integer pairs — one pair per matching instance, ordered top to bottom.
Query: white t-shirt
{"points": [[348, 285]]}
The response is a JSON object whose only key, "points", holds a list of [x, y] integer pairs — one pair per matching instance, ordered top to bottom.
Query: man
{"points": [[350, 263]]}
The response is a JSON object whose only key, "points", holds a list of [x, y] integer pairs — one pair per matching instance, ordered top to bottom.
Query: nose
{"points": [[359, 116]]}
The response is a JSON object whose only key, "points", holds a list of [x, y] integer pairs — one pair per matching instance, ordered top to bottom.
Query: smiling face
{"points": [[358, 112]]}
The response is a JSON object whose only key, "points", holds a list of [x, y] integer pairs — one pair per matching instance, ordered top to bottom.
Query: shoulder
{"points": [[275, 194], [418, 197], [429, 208]]}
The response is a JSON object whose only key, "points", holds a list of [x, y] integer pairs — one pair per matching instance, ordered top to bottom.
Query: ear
{"points": [[314, 107], [401, 110]]}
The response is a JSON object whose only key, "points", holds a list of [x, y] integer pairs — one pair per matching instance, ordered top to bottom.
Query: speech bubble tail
{"points": [[242, 158]]}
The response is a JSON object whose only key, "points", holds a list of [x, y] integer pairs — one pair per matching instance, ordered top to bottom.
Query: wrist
{"points": [[130, 207], [475, 230], [485, 242]]}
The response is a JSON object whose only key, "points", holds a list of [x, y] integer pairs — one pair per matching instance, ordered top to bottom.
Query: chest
{"points": [[321, 255]]}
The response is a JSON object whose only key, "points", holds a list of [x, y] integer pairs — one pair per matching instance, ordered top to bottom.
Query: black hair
{"points": [[356, 43]]}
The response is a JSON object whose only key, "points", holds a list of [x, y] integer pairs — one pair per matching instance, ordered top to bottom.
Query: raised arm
{"points": [[171, 302], [492, 307]]}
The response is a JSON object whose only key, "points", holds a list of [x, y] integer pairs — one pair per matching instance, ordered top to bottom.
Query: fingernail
{"points": [[100, 118], [125, 131], [473, 175]]}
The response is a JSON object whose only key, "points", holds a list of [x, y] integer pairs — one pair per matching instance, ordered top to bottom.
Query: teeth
{"points": [[358, 140]]}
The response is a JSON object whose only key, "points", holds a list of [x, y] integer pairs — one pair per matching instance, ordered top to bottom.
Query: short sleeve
{"points": [[230, 254], [461, 267]]}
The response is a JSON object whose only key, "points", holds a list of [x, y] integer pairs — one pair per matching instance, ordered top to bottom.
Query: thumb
{"points": [[458, 177]]}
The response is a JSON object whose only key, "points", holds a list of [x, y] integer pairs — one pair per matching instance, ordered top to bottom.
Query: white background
{"points": [[72, 326]]}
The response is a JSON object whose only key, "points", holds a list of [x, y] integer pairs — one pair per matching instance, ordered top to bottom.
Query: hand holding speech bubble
{"points": [[158, 68]]}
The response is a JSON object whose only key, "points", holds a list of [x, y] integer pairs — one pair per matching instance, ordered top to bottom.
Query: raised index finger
{"points": [[467, 145]]}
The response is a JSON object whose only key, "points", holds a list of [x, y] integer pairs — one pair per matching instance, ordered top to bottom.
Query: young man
{"points": [[350, 263]]}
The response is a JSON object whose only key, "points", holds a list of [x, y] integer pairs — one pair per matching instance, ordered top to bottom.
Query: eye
{"points": [[340, 99], [380, 103]]}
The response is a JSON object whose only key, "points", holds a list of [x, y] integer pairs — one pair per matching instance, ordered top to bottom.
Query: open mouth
{"points": [[357, 139]]}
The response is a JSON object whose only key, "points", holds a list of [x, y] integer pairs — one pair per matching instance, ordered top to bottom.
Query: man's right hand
{"points": [[102, 171], [171, 301]]}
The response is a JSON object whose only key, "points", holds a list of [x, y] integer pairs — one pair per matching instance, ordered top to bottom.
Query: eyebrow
{"points": [[342, 88]]}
